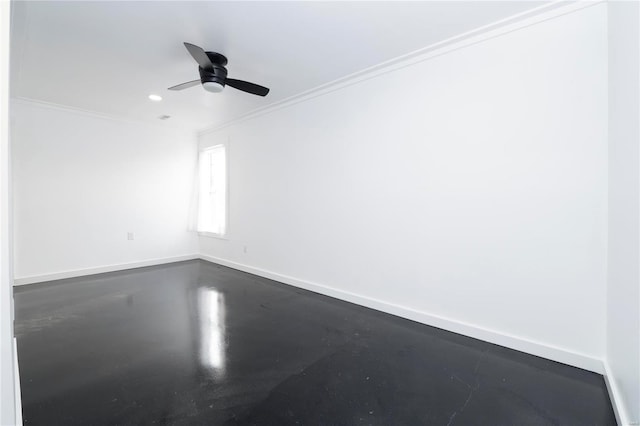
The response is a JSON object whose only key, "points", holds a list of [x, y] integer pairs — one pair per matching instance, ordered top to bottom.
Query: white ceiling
{"points": [[107, 57]]}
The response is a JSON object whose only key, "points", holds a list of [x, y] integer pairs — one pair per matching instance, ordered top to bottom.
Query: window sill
{"points": [[212, 235]]}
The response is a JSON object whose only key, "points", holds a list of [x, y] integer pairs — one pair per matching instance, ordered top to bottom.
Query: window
{"points": [[212, 201]]}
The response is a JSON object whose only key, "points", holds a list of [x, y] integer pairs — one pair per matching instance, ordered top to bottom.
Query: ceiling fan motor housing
{"points": [[216, 74]]}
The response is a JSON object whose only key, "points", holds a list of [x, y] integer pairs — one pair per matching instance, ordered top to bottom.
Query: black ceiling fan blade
{"points": [[199, 55], [185, 85], [245, 86]]}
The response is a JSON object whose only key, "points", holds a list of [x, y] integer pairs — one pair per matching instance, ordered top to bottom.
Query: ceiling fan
{"points": [[213, 74]]}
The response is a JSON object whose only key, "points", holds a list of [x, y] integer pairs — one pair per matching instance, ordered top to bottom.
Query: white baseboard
{"points": [[101, 269], [540, 349], [543, 350], [16, 376], [616, 398]]}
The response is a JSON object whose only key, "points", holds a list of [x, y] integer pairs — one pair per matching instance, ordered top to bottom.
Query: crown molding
{"points": [[496, 29], [487, 32], [20, 100]]}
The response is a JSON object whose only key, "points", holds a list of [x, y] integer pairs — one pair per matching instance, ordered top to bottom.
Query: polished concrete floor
{"points": [[194, 343]]}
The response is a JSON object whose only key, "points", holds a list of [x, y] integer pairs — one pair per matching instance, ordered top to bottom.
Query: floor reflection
{"points": [[211, 312], [202, 344]]}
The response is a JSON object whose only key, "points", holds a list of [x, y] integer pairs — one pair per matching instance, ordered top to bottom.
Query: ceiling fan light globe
{"points": [[212, 86]]}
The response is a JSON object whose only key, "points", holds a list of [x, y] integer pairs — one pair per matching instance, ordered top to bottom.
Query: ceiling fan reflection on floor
{"points": [[213, 74]]}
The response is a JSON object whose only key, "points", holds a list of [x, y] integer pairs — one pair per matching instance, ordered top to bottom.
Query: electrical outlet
{"points": [[129, 236]]}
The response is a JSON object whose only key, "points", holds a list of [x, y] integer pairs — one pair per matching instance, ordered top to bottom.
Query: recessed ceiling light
{"points": [[155, 98]]}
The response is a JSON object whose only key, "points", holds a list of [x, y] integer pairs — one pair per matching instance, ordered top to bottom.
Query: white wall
{"points": [[82, 182], [470, 187], [623, 298], [7, 364]]}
